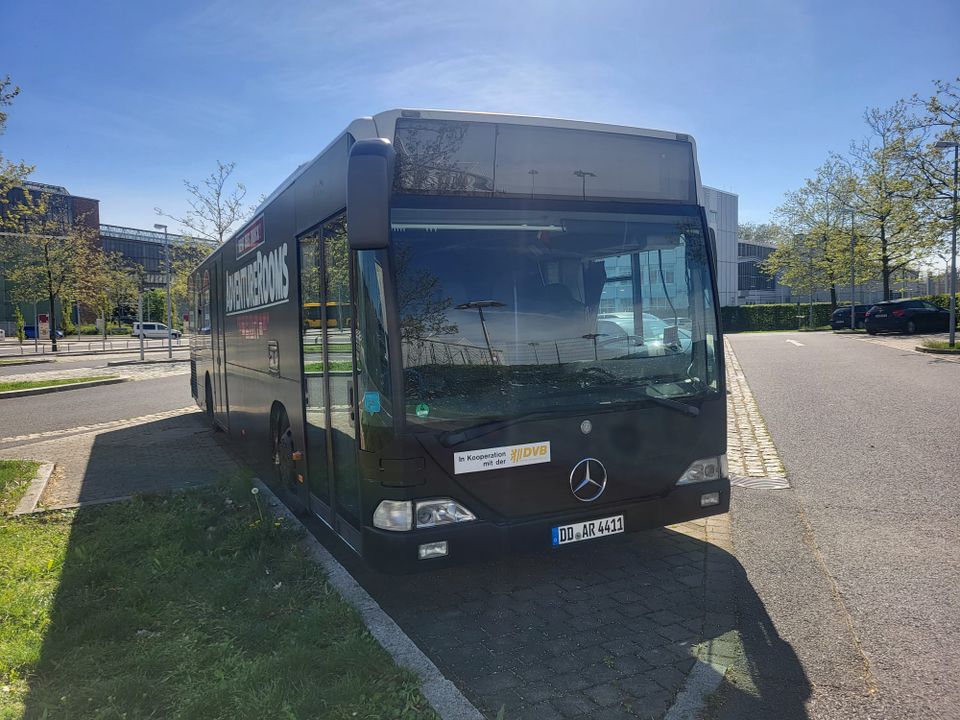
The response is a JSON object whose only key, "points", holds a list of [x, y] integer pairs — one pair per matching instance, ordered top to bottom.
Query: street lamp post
{"points": [[583, 175], [953, 244], [166, 256], [479, 305], [853, 307]]}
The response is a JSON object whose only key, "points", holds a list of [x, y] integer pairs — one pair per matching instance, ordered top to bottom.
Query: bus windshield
{"points": [[509, 312]]}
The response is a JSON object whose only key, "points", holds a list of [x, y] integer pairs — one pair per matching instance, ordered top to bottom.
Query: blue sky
{"points": [[121, 101]]}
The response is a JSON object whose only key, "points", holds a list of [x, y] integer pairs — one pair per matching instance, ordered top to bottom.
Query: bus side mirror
{"points": [[369, 183], [713, 245]]}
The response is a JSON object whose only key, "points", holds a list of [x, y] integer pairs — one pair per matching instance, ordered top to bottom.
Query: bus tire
{"points": [[286, 471]]}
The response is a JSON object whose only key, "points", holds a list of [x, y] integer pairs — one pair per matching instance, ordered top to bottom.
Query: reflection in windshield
{"points": [[506, 312]]}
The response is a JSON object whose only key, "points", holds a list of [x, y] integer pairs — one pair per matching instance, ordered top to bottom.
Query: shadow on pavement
{"points": [[173, 453], [609, 630], [766, 679]]}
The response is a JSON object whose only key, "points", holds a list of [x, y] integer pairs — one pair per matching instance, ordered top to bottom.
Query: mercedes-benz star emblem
{"points": [[588, 479]]}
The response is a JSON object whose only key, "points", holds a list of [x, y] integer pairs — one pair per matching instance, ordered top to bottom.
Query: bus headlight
{"points": [[704, 469], [431, 513], [394, 515]]}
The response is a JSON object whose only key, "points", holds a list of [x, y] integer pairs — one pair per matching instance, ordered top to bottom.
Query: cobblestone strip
{"points": [[113, 424], [750, 449]]}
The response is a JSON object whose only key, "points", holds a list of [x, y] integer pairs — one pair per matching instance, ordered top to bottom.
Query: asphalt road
{"points": [[82, 361], [89, 406], [858, 564]]}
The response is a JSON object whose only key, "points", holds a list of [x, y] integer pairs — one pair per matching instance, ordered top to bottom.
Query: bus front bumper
{"points": [[398, 552]]}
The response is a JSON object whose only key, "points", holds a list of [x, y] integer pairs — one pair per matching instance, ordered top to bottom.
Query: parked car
{"points": [[906, 316], [840, 319], [618, 327], [153, 330]]}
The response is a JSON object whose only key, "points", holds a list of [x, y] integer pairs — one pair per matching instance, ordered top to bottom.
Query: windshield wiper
{"points": [[691, 410], [455, 437]]}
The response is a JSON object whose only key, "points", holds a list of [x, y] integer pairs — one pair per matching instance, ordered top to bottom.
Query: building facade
{"points": [[146, 249]]}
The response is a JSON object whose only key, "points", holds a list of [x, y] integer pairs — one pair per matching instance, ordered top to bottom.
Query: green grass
{"points": [[940, 345], [334, 348], [335, 366], [27, 384], [15, 477], [183, 606]]}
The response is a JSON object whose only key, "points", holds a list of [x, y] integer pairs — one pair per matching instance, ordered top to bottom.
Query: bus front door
{"points": [[330, 400]]}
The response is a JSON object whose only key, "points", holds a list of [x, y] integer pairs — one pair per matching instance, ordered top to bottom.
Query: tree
{"points": [[938, 120], [12, 174], [885, 195], [216, 205], [817, 216], [760, 233], [45, 251], [184, 258], [798, 262], [105, 280], [21, 327]]}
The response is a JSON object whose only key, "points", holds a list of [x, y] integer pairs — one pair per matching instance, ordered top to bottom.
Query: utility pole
{"points": [[166, 255], [952, 284], [853, 307], [140, 311]]}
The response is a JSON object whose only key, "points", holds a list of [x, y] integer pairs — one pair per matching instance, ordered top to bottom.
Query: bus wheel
{"points": [[283, 453]]}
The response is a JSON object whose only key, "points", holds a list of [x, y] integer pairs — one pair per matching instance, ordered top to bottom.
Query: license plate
{"points": [[880, 315], [575, 532]]}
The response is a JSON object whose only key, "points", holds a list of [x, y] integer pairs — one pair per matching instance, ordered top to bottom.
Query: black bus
{"points": [[533, 357]]}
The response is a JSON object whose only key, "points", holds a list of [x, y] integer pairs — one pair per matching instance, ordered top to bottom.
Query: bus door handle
{"points": [[350, 401]]}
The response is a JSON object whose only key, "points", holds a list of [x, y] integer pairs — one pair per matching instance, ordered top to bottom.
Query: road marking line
{"points": [[794, 342], [112, 424]]}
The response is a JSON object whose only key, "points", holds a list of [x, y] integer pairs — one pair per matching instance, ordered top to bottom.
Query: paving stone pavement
{"points": [[133, 372], [750, 449], [152, 454], [607, 630], [610, 630]]}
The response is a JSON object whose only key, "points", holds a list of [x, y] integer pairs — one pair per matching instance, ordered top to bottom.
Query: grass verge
{"points": [[940, 345], [332, 347], [336, 366], [29, 384], [15, 478], [182, 606]]}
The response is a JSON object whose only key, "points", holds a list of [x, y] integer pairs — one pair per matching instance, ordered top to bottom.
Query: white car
{"points": [[618, 327], [153, 330]]}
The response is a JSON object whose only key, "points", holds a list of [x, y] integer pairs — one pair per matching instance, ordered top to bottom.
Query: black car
{"points": [[906, 316], [840, 319]]}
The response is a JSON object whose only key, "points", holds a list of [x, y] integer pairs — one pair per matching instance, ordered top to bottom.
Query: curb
{"points": [[936, 351], [79, 353], [16, 363], [114, 363], [57, 388], [28, 503], [714, 655], [702, 682], [442, 694]]}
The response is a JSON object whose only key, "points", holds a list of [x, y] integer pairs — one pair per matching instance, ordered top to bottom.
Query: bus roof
{"points": [[382, 125]]}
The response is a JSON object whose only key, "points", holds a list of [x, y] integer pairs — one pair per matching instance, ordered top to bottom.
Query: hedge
{"points": [[783, 316]]}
